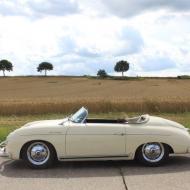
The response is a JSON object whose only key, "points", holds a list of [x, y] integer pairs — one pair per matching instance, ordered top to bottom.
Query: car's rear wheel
{"points": [[38, 154], [152, 154]]}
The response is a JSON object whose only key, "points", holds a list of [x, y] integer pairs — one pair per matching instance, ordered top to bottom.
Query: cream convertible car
{"points": [[148, 139]]}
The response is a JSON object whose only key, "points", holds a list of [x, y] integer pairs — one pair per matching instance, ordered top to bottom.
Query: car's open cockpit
{"points": [[81, 117]]}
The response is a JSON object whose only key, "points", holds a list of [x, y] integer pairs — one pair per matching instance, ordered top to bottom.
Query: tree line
{"points": [[6, 65], [121, 66]]}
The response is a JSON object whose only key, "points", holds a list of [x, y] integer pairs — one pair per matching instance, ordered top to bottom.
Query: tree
{"points": [[5, 65], [45, 66], [121, 66], [102, 73]]}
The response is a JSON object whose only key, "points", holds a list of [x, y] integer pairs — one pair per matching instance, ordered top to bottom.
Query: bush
{"points": [[102, 73], [183, 77]]}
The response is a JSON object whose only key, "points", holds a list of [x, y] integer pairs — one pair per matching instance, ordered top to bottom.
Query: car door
{"points": [[95, 140]]}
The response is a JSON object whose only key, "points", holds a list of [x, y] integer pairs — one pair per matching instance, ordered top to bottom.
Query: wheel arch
{"points": [[32, 141], [170, 149]]}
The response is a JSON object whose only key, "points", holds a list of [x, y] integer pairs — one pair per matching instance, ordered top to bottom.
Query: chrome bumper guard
{"points": [[3, 152]]}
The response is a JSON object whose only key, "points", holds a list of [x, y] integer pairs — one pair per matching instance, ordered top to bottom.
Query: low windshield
{"points": [[79, 116]]}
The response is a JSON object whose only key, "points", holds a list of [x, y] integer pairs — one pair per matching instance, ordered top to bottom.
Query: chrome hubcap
{"points": [[153, 152], [38, 153]]}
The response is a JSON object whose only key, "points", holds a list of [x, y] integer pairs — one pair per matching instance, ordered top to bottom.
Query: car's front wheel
{"points": [[38, 154], [152, 154]]}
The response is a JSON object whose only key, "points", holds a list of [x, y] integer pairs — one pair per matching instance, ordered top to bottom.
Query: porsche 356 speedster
{"points": [[150, 140]]}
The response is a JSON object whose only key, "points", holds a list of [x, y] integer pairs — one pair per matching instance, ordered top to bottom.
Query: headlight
{"points": [[3, 144]]}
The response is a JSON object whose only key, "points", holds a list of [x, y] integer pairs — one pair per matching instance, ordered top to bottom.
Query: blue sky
{"points": [[80, 37]]}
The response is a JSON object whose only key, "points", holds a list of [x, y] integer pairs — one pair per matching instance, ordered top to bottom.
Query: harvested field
{"points": [[34, 95]]}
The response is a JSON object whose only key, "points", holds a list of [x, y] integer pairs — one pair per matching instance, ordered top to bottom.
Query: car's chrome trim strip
{"points": [[117, 134], [122, 134], [149, 134], [93, 157]]}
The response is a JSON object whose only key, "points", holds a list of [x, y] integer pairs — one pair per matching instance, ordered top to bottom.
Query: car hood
{"points": [[158, 121], [46, 123], [36, 126]]}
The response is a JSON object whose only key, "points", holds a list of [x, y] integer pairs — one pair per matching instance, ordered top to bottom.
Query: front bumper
{"points": [[3, 152]]}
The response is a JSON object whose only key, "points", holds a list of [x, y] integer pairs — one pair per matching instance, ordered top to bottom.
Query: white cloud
{"points": [[38, 8], [126, 8], [80, 38]]}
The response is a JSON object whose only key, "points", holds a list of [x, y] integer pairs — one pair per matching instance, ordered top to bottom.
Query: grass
{"points": [[10, 123]]}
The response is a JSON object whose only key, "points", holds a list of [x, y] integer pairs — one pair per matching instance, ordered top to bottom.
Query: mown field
{"points": [[42, 95], [25, 99]]}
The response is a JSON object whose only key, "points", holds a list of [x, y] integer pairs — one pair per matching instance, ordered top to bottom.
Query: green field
{"points": [[10, 123]]}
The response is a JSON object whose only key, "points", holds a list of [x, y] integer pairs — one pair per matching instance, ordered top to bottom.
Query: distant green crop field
{"points": [[10, 123]]}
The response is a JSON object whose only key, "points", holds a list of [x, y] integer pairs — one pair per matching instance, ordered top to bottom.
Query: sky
{"points": [[79, 37]]}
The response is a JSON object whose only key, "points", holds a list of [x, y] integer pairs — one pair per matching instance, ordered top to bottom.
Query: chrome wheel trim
{"points": [[153, 152], [38, 153]]}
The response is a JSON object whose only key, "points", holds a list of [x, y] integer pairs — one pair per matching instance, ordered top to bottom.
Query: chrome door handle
{"points": [[120, 134]]}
